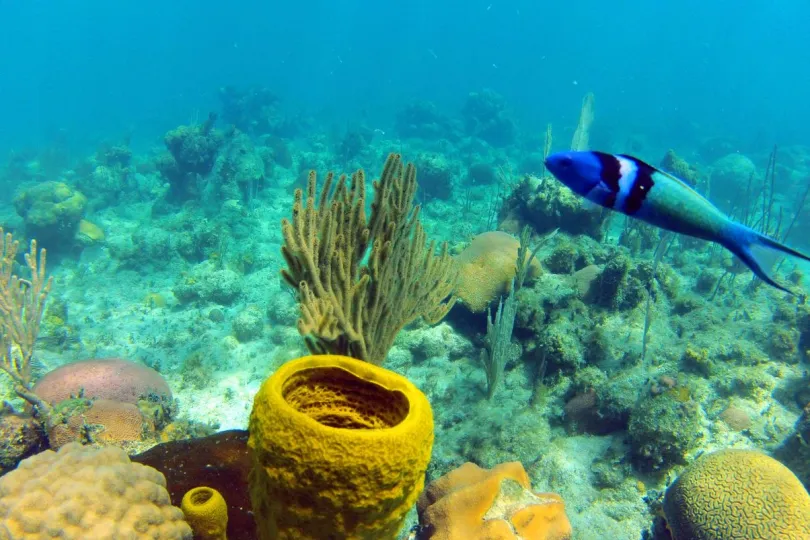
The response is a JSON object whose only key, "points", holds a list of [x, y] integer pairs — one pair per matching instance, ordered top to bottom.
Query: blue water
{"points": [[86, 70]]}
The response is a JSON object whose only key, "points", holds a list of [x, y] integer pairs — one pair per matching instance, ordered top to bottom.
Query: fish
{"points": [[635, 188]]}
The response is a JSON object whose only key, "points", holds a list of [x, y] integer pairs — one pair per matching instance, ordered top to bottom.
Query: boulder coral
{"points": [[192, 151], [729, 175], [436, 176], [545, 205], [52, 212], [663, 429], [80, 493], [737, 494], [497, 504]]}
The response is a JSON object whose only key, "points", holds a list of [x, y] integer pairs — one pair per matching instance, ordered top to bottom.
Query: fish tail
{"points": [[742, 241]]}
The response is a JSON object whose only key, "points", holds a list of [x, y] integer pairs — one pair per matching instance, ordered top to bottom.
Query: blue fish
{"points": [[639, 190]]}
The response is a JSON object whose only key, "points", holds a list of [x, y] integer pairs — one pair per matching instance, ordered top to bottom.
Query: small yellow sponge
{"points": [[340, 449], [737, 494], [207, 513]]}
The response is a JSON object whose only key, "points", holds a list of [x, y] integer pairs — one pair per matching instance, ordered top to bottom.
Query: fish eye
{"points": [[566, 162]]}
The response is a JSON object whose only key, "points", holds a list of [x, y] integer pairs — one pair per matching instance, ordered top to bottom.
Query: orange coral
{"points": [[486, 269], [497, 504]]}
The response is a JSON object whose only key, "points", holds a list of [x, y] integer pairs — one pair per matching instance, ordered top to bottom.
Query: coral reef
{"points": [[256, 110], [422, 119], [676, 165], [240, 170], [436, 174], [620, 370], [115, 379], [108, 401], [663, 429], [21, 436]]}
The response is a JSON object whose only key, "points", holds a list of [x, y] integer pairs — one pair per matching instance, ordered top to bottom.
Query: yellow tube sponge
{"points": [[340, 448], [737, 494], [207, 513]]}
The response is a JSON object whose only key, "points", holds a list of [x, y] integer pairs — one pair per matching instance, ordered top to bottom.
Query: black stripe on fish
{"points": [[610, 170], [642, 184], [610, 200]]}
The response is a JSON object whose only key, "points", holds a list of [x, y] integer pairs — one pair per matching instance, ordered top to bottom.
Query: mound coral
{"points": [[485, 116], [192, 151], [436, 173], [728, 177], [545, 205], [52, 212], [487, 267], [103, 378], [663, 429], [340, 448], [80, 493], [737, 494], [497, 504]]}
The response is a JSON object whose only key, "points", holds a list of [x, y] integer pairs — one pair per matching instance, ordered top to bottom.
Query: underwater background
{"points": [[153, 150]]}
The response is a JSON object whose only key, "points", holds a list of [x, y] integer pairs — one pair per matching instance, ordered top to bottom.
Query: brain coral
{"points": [[486, 269], [81, 493], [737, 494]]}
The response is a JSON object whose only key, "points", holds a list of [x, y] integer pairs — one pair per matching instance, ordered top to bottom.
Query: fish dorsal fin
{"points": [[644, 165]]}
